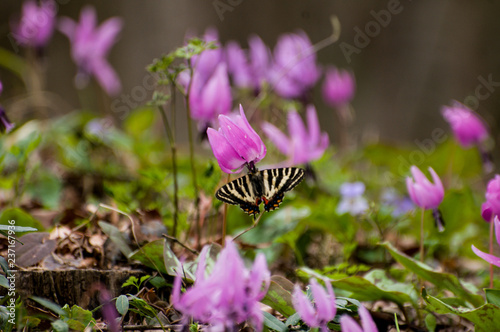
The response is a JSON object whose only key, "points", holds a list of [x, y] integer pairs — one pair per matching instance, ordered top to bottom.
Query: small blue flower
{"points": [[352, 201]]}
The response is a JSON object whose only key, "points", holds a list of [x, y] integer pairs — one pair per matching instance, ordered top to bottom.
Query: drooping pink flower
{"points": [[36, 25], [90, 44], [260, 61], [238, 66], [294, 70], [338, 87], [210, 98], [466, 125], [236, 144], [303, 145], [424, 193], [491, 207], [492, 259], [230, 295], [322, 311], [348, 324]]}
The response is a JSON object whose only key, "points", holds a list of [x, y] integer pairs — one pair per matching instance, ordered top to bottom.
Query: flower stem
{"points": [[173, 149], [191, 157], [224, 218], [422, 236], [491, 251]]}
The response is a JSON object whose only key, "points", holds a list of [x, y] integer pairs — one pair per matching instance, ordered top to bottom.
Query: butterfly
{"points": [[268, 186]]}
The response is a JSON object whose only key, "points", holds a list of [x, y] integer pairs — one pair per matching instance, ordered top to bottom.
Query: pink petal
{"points": [[106, 34], [106, 76], [216, 95], [313, 125], [276, 136], [226, 155], [438, 185], [497, 229], [487, 257], [323, 302], [304, 308], [367, 320], [348, 324]]}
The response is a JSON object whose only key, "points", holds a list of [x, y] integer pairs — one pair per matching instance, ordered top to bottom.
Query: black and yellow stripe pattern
{"points": [[268, 186]]}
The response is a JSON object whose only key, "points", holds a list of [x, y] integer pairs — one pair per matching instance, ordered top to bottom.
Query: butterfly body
{"points": [[268, 186]]}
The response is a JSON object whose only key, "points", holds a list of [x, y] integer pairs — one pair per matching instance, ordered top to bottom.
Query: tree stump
{"points": [[71, 286]]}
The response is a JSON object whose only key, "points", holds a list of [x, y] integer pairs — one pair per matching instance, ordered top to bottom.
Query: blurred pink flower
{"points": [[36, 25], [90, 44], [260, 61], [238, 66], [294, 70], [338, 87], [210, 98], [466, 125], [236, 144], [303, 144], [422, 192], [491, 207], [488, 257], [229, 295], [324, 308], [348, 324]]}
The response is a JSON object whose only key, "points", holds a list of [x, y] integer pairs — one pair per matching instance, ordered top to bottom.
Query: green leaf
{"points": [[21, 218], [16, 229], [116, 237], [151, 255], [171, 263], [5, 266], [441, 280], [3, 281], [131, 281], [158, 282], [374, 286], [279, 296], [493, 296], [50, 305], [122, 305], [143, 308], [80, 317], [486, 318], [293, 319], [430, 322], [273, 323], [60, 326]]}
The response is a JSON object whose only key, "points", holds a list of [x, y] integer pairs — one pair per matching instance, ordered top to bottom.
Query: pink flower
{"points": [[36, 25], [90, 44], [260, 61], [238, 65], [294, 70], [339, 87], [210, 98], [466, 125], [236, 144], [303, 144], [424, 193], [491, 207], [487, 257], [229, 295], [324, 308], [348, 324]]}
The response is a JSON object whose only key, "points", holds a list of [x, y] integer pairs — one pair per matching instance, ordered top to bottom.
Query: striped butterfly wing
{"points": [[276, 182], [268, 185], [241, 192]]}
